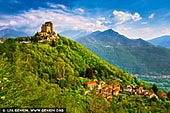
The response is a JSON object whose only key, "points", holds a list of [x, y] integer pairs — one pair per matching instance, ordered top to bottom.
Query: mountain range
{"points": [[11, 33], [163, 41], [137, 56]]}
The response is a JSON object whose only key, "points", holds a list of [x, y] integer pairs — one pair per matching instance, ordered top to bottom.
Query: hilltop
{"points": [[53, 75]]}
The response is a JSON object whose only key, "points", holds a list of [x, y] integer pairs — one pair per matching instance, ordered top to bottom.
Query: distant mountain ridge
{"points": [[10, 33], [74, 34], [115, 39], [163, 41], [133, 55], [136, 56]]}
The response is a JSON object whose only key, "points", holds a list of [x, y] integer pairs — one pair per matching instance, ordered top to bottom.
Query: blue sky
{"points": [[133, 18]]}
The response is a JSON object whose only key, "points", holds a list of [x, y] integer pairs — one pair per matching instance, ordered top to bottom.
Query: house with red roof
{"points": [[91, 84], [128, 88], [140, 90], [151, 95], [163, 95]]}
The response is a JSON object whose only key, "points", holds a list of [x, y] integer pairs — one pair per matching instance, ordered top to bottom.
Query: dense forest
{"points": [[52, 75]]}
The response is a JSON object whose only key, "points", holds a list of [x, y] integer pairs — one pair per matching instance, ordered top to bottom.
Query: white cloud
{"points": [[52, 5], [61, 6], [79, 11], [151, 16], [122, 17], [136, 17], [102, 18], [66, 19], [31, 21], [13, 22], [144, 23], [99, 25], [143, 32]]}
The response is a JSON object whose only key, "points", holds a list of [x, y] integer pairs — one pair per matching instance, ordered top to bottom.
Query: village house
{"points": [[91, 84], [101, 84], [128, 88], [116, 89], [107, 90], [110, 90], [140, 90], [134, 91], [116, 92], [145, 93], [151, 95], [163, 95], [109, 97]]}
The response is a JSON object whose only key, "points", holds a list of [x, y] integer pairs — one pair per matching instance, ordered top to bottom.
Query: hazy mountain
{"points": [[8, 33], [74, 34], [112, 38], [163, 41], [133, 55]]}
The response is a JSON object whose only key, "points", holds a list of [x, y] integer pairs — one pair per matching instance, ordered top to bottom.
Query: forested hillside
{"points": [[133, 55], [136, 56], [52, 74]]}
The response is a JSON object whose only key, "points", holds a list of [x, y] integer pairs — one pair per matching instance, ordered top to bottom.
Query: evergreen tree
{"points": [[34, 39], [53, 43], [89, 73], [155, 88], [168, 95]]}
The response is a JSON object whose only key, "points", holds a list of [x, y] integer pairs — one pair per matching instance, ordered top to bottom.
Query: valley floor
{"points": [[162, 81]]}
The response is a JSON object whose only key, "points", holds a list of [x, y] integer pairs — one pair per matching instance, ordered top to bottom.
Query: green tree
{"points": [[36, 34], [34, 39], [10, 40], [53, 43], [89, 73], [155, 88], [168, 95]]}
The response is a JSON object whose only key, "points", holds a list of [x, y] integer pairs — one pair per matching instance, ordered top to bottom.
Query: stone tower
{"points": [[47, 27], [47, 32]]}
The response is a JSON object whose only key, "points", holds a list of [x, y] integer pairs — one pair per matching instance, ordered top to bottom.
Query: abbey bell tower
{"points": [[47, 27], [47, 32]]}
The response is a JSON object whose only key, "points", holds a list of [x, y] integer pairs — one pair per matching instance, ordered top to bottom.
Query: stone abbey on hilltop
{"points": [[47, 32]]}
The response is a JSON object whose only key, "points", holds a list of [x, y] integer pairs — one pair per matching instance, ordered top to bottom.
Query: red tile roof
{"points": [[90, 82], [163, 95]]}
